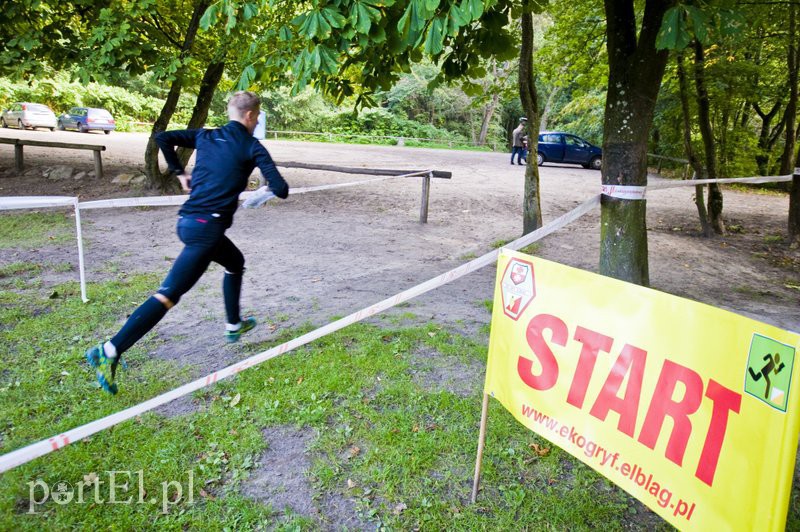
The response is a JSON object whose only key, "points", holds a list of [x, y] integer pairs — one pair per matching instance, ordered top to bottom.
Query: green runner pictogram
{"points": [[769, 371]]}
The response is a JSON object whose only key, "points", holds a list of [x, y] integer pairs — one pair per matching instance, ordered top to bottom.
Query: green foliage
{"points": [[685, 22], [356, 47], [126, 105], [582, 113]]}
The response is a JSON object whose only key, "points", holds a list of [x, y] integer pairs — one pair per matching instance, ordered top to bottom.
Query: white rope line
{"points": [[727, 180], [164, 201], [35, 202], [26, 454]]}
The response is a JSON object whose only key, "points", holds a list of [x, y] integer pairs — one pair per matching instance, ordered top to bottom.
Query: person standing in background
{"points": [[517, 147]]}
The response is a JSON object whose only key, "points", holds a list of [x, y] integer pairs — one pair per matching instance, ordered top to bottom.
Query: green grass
{"points": [[36, 229], [530, 249], [355, 389], [402, 449]]}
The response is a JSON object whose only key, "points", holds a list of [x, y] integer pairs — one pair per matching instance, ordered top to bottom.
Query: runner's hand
{"points": [[186, 181], [258, 198]]}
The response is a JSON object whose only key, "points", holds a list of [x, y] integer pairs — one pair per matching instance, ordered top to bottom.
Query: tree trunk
{"points": [[634, 78], [208, 86], [551, 98], [488, 112], [790, 115], [704, 119], [766, 137], [694, 161], [155, 178], [794, 207], [532, 210]]}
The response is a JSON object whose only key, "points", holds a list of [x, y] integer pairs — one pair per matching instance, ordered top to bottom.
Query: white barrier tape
{"points": [[727, 180], [303, 190], [627, 192], [151, 201], [166, 201], [34, 202], [79, 236], [26, 454]]}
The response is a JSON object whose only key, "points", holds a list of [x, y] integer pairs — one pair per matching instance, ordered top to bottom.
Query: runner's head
{"points": [[244, 107]]}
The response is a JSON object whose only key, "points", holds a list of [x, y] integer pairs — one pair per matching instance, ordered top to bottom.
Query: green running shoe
{"points": [[248, 324], [93, 355], [105, 368]]}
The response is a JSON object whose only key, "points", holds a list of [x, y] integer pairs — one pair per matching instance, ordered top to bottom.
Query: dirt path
{"points": [[325, 254]]}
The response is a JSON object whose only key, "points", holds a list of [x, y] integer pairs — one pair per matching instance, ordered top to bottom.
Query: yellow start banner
{"points": [[691, 409]]}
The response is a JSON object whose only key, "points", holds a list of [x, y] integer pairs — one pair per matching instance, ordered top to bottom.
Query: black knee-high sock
{"points": [[231, 290], [141, 321]]}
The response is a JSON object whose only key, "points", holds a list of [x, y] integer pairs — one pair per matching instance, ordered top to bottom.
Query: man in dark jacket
{"points": [[517, 146], [225, 159]]}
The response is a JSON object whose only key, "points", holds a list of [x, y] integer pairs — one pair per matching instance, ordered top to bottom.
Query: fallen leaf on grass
{"points": [[300, 380], [236, 399], [538, 449], [354, 451], [351, 484], [206, 495], [398, 509]]}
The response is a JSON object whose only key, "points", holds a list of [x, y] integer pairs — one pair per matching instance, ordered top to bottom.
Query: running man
{"points": [[225, 159]]}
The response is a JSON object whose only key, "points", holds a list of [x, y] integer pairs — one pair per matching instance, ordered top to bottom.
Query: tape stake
{"points": [[626, 192]]}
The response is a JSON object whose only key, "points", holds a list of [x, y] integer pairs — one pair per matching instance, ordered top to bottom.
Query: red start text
{"points": [[630, 363]]}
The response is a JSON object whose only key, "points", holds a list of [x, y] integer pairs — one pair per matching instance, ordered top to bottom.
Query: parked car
{"points": [[25, 114], [85, 119], [559, 147]]}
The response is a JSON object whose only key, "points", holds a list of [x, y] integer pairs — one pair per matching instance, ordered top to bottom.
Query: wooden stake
{"points": [[18, 164], [98, 165], [426, 193], [481, 443]]}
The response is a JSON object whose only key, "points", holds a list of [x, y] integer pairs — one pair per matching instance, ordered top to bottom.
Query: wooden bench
{"points": [[19, 143]]}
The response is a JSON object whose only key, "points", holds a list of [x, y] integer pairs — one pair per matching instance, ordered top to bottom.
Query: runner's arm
{"points": [[167, 140], [275, 180]]}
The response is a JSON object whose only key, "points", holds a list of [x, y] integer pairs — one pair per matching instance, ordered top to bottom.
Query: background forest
{"points": [[749, 78]]}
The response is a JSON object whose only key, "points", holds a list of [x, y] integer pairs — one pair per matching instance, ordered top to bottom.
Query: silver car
{"points": [[28, 115]]}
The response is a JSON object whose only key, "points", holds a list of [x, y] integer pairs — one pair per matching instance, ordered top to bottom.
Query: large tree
{"points": [[636, 67], [531, 208]]}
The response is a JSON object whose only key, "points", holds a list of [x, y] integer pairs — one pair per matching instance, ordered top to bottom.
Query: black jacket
{"points": [[225, 159]]}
